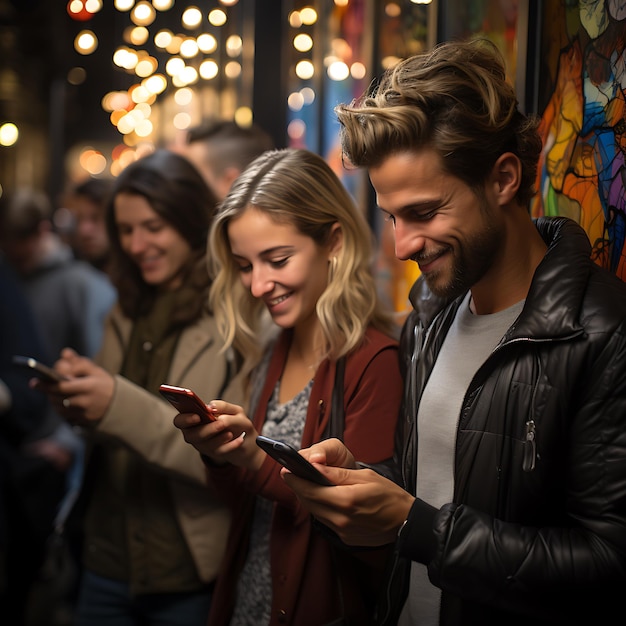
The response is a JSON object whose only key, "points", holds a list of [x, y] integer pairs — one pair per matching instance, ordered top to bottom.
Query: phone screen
{"points": [[186, 401], [290, 458]]}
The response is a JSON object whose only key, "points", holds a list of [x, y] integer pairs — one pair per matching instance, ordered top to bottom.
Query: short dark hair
{"points": [[231, 144], [97, 190], [22, 211]]}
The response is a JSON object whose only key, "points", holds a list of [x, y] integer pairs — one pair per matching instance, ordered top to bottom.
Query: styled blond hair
{"points": [[454, 99]]}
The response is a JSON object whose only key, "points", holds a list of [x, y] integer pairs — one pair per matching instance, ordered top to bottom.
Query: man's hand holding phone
{"points": [[292, 460], [363, 508]]}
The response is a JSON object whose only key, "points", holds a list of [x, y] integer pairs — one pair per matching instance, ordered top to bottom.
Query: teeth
{"points": [[277, 300]]}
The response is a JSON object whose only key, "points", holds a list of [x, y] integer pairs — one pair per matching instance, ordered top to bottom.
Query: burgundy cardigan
{"points": [[304, 572]]}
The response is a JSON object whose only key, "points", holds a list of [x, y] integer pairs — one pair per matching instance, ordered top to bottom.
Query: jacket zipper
{"points": [[530, 447]]}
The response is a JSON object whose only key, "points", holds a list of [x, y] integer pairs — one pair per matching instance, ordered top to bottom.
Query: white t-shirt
{"points": [[469, 342]]}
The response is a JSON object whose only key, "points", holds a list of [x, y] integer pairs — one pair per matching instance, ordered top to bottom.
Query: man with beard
{"points": [[506, 500]]}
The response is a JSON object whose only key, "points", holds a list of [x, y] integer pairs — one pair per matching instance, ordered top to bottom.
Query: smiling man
{"points": [[508, 500]]}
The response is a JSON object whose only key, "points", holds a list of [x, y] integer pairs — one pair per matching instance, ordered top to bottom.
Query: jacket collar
{"points": [[556, 292]]}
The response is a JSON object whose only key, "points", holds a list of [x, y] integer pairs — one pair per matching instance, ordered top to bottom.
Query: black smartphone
{"points": [[44, 372], [186, 401], [290, 458]]}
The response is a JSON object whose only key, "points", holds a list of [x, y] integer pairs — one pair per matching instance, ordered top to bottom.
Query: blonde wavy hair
{"points": [[297, 187]]}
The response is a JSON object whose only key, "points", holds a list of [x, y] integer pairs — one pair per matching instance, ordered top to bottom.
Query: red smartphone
{"points": [[186, 401]]}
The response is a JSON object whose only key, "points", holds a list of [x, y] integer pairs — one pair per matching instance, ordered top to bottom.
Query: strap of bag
{"points": [[336, 422], [335, 429]]}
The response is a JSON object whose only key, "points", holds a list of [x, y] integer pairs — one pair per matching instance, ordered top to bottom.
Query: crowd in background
{"points": [[473, 459]]}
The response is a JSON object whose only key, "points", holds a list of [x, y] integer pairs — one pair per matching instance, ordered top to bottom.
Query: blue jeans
{"points": [[106, 602]]}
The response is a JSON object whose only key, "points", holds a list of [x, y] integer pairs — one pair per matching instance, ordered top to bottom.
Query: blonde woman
{"points": [[288, 241]]}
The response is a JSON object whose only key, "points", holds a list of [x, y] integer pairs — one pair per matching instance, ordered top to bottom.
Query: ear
{"points": [[229, 175], [507, 177], [226, 179], [335, 240]]}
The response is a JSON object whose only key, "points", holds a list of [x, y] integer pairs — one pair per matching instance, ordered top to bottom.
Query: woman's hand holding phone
{"points": [[187, 401], [227, 439]]}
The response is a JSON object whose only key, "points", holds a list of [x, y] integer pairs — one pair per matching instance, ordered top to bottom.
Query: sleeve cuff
{"points": [[416, 539]]}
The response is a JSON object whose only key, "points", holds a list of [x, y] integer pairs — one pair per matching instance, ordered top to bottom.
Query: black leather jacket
{"points": [[537, 530]]}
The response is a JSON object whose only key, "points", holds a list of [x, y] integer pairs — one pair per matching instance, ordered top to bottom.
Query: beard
{"points": [[471, 259]]}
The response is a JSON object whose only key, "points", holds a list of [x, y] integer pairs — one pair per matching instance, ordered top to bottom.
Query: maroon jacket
{"points": [[304, 575]]}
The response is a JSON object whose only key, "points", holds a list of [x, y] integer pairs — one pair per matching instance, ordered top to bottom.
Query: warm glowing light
{"points": [[421, 1], [229, 3], [341, 3], [124, 5], [162, 5], [93, 6], [392, 9], [77, 10], [143, 13], [308, 15], [192, 17], [217, 17], [295, 21], [139, 35], [163, 38], [86, 42], [302, 42], [207, 43], [174, 45], [234, 46], [189, 48], [341, 48], [126, 58], [389, 62], [174, 66], [208, 69], [232, 69], [305, 70], [338, 70], [358, 71], [187, 76], [155, 84], [140, 94], [308, 95], [183, 96], [116, 101], [295, 101], [116, 116], [243, 117], [182, 121], [126, 124], [144, 128], [296, 130], [9, 134], [95, 163]]}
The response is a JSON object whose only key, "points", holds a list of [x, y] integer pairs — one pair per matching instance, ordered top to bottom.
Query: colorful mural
{"points": [[582, 173]]}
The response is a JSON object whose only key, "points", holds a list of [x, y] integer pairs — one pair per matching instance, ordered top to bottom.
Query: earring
{"points": [[332, 268]]}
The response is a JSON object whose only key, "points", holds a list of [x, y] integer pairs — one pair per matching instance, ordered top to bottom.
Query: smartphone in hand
{"points": [[41, 371], [186, 401], [290, 458]]}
